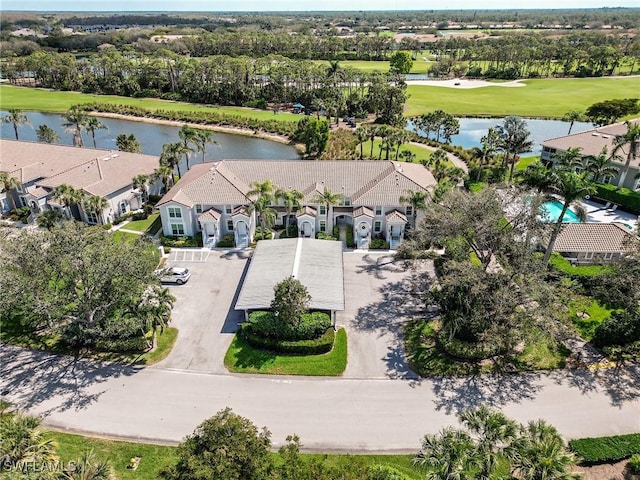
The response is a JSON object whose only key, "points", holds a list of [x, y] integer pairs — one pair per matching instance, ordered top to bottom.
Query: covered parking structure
{"points": [[317, 264]]}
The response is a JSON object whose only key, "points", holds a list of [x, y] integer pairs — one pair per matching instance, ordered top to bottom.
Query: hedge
{"points": [[627, 199], [227, 241], [181, 242], [378, 244], [320, 345], [467, 351], [606, 449]]}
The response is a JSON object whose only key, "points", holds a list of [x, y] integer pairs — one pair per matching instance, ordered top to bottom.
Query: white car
{"points": [[177, 275]]}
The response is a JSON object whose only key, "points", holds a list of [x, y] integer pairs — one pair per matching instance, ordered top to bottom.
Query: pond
{"points": [[473, 129], [152, 137]]}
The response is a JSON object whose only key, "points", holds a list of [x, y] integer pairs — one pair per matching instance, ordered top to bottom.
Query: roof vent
{"points": [[595, 134], [605, 136], [115, 155]]}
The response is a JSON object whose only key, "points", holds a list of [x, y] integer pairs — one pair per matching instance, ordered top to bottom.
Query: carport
{"points": [[316, 263]]}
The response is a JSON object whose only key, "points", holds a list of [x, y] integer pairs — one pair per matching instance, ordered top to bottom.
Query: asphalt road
{"points": [[329, 414]]}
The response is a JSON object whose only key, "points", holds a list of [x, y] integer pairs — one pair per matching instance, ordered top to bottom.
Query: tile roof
{"points": [[592, 141], [96, 171], [364, 182], [307, 210], [363, 211], [211, 214], [396, 216], [591, 237], [316, 263]]}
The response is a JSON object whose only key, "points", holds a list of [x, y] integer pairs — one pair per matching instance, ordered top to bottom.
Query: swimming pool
{"points": [[551, 211]]}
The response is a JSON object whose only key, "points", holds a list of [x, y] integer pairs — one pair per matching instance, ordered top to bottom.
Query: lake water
{"points": [[473, 129], [153, 136]]}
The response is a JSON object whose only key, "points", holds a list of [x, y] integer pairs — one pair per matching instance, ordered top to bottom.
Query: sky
{"points": [[300, 5]]}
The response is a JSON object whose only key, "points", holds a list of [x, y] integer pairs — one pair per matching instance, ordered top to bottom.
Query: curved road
{"points": [[329, 414]]}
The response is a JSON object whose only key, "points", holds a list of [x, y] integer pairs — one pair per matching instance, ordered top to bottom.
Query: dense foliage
{"points": [[307, 325], [606, 449]]}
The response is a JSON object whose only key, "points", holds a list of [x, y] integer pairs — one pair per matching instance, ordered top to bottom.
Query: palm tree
{"points": [[572, 116], [17, 118], [75, 120], [93, 124], [372, 130], [47, 134], [362, 135], [189, 137], [204, 137], [514, 139], [631, 139], [128, 143], [490, 144], [171, 155], [407, 156], [570, 159], [599, 166], [165, 174], [537, 176], [8, 183], [141, 183], [570, 186], [67, 196], [328, 198], [291, 200], [417, 200], [96, 205], [261, 205], [266, 214], [49, 219], [154, 310], [23, 441], [450, 455], [88, 467]]}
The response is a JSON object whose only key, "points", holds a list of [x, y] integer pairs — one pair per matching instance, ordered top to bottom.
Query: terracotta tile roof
{"points": [[592, 141], [96, 171], [364, 182], [38, 192], [307, 210], [240, 211], [363, 211], [211, 214], [396, 216], [591, 237]]}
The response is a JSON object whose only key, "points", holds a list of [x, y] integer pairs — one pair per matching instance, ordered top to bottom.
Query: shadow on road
{"points": [[234, 317], [30, 378]]}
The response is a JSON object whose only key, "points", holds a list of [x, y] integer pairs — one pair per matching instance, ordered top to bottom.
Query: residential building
{"points": [[591, 143], [40, 167], [213, 200], [587, 243]]}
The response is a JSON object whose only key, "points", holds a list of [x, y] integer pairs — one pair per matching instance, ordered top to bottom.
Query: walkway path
{"points": [[457, 161], [329, 414]]}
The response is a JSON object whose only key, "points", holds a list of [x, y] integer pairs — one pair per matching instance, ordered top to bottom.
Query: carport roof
{"points": [[316, 263]]}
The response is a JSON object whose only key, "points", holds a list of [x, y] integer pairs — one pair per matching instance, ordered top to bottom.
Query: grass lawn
{"points": [[419, 66], [25, 98], [539, 98], [421, 152], [524, 162], [141, 225], [125, 236], [596, 315], [242, 358]]}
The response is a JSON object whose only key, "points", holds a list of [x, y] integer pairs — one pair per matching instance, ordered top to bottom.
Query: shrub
{"points": [[626, 198], [153, 199], [20, 213], [106, 226], [336, 231], [263, 234], [325, 236], [227, 241], [181, 242], [351, 243], [378, 244], [268, 326], [620, 328], [316, 346], [470, 351], [606, 449], [634, 464], [385, 472]]}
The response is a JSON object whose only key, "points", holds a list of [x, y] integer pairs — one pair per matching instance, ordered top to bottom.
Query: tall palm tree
{"points": [[572, 116], [16, 118], [75, 121], [93, 124], [372, 130], [46, 134], [362, 135], [189, 136], [202, 139], [514, 139], [631, 140], [128, 143], [489, 144], [171, 155], [570, 159], [599, 167], [164, 173], [537, 176], [8, 183], [141, 183], [570, 186], [263, 191], [67, 196], [328, 198], [291, 200], [417, 200], [96, 205], [266, 214], [49, 219], [154, 310], [450, 455], [88, 467]]}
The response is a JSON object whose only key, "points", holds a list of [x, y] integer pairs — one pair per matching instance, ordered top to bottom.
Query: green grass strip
{"points": [[606, 449]]}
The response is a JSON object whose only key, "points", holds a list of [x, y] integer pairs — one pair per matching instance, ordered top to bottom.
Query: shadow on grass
{"points": [[245, 357]]}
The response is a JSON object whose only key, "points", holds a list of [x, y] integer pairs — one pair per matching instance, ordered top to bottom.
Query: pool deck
{"points": [[598, 214]]}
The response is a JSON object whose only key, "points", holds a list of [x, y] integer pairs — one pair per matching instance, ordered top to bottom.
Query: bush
{"points": [[626, 198], [153, 199], [21, 213], [106, 226], [336, 231], [262, 234], [325, 236], [227, 241], [181, 242], [351, 243], [378, 244], [268, 326], [620, 328], [317, 346], [469, 351], [606, 449], [634, 464], [384, 472]]}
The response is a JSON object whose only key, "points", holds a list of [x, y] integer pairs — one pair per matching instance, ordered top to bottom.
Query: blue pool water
{"points": [[552, 210]]}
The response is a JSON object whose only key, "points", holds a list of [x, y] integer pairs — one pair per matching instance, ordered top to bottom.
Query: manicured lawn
{"points": [[419, 66], [539, 98], [39, 99], [421, 152], [524, 162], [141, 225], [125, 236], [558, 262], [596, 315], [242, 358]]}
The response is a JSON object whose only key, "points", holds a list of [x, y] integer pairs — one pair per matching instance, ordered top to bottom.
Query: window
{"points": [[607, 179], [19, 188], [23, 202], [346, 202], [123, 208], [198, 208], [228, 209], [323, 210], [378, 211], [409, 211], [175, 212], [92, 217], [230, 225], [199, 226], [323, 226], [377, 226], [177, 229], [588, 255], [608, 256]]}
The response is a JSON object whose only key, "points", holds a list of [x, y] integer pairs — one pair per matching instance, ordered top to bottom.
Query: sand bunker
{"points": [[464, 83]]}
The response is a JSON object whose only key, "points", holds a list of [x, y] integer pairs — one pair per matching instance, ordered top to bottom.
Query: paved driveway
{"points": [[378, 300], [204, 309]]}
